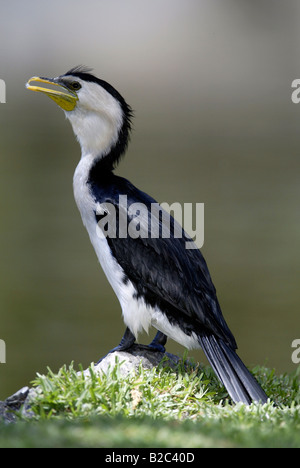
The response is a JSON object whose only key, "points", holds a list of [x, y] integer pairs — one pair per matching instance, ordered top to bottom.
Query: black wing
{"points": [[163, 271]]}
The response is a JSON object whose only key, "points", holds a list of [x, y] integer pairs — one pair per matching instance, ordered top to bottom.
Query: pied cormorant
{"points": [[158, 281]]}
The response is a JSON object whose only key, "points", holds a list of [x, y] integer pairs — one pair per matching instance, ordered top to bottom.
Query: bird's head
{"points": [[100, 117]]}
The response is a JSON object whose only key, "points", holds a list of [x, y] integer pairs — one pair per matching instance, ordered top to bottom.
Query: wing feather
{"points": [[163, 271]]}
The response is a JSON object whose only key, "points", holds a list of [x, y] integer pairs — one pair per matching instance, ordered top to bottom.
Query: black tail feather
{"points": [[231, 371]]}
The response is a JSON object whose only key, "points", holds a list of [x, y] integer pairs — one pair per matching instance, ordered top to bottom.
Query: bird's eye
{"points": [[75, 85]]}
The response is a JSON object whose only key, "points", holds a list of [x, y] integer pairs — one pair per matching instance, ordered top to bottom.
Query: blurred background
{"points": [[210, 83]]}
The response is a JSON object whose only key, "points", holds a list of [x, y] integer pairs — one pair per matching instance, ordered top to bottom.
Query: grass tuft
{"points": [[161, 392], [161, 407]]}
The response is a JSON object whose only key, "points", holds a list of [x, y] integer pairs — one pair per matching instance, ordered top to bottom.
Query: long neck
{"points": [[108, 160], [95, 168]]}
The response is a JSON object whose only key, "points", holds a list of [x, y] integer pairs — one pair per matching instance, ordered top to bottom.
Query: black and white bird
{"points": [[158, 281]]}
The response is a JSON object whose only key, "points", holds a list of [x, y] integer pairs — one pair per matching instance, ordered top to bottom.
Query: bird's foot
{"points": [[128, 341], [158, 343]]}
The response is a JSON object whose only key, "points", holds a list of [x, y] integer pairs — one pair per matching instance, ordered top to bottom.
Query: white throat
{"points": [[95, 133]]}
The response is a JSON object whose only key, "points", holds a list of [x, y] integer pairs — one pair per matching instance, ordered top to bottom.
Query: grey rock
{"points": [[130, 360], [13, 404]]}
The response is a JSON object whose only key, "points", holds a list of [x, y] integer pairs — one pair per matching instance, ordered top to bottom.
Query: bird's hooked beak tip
{"points": [[64, 97]]}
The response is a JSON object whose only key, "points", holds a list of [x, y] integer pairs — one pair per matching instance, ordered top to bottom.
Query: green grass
{"points": [[162, 407]]}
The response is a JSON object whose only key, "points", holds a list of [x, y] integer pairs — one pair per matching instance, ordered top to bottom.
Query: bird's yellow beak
{"points": [[64, 97]]}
